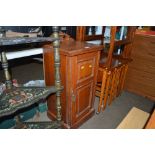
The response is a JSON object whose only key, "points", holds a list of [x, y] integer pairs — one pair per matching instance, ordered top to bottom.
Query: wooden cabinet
{"points": [[79, 65], [141, 73]]}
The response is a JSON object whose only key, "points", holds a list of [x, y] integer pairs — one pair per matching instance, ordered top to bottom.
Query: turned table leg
{"points": [[56, 46], [8, 81]]}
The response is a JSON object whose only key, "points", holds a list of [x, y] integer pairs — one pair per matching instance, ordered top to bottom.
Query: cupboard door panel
{"points": [[83, 101]]}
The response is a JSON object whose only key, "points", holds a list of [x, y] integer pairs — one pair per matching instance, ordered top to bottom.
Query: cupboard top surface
{"points": [[72, 48]]}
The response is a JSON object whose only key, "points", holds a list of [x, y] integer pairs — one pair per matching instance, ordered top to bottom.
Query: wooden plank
{"points": [[122, 42], [141, 73], [135, 119], [151, 122]]}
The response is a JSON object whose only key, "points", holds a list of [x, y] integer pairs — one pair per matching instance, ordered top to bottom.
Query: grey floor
{"points": [[114, 114], [108, 119]]}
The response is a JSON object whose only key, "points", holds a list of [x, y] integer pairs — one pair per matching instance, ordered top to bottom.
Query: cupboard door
{"points": [[82, 101]]}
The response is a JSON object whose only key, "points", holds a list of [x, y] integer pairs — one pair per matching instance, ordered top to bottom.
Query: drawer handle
{"points": [[90, 66], [82, 67]]}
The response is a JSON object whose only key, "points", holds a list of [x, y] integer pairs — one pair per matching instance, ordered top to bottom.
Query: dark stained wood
{"points": [[81, 35], [122, 42], [129, 44], [73, 48], [111, 49], [79, 65], [112, 69], [141, 73]]}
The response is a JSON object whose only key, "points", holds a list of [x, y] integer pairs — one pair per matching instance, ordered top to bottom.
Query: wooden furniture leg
{"points": [[124, 75], [113, 76], [117, 81], [120, 81], [102, 90], [106, 94]]}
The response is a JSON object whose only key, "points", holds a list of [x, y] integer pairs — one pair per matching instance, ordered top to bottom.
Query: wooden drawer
{"points": [[85, 68]]}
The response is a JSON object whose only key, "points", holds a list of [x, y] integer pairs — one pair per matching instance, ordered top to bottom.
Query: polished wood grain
{"points": [[81, 34], [112, 43], [129, 44], [79, 65], [112, 69], [141, 73], [110, 83], [100, 88], [151, 122]]}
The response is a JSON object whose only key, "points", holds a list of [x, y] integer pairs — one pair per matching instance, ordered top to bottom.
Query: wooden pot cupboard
{"points": [[79, 66]]}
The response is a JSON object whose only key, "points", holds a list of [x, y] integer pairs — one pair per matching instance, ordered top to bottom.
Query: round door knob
{"points": [[90, 66], [82, 67]]}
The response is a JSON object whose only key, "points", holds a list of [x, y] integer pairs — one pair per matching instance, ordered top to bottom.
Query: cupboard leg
{"points": [[106, 91]]}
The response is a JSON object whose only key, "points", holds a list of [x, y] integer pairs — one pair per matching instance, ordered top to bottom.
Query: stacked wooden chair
{"points": [[113, 68]]}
